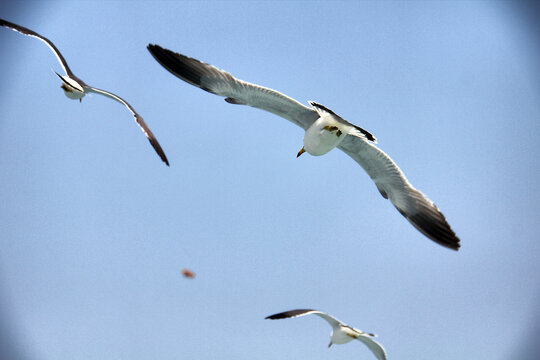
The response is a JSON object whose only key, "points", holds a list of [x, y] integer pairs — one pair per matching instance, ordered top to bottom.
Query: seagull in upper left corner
{"points": [[75, 88]]}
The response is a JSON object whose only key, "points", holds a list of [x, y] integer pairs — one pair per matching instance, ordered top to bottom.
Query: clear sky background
{"points": [[95, 229]]}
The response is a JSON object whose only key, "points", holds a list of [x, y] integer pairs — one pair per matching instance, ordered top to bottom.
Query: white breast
{"points": [[75, 95], [319, 140], [341, 335]]}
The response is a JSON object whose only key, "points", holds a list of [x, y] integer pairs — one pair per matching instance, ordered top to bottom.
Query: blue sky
{"points": [[96, 230]]}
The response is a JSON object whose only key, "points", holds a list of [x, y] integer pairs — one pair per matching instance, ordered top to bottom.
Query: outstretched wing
{"points": [[31, 33], [235, 91], [150, 136], [390, 180], [393, 185], [301, 312], [374, 346]]}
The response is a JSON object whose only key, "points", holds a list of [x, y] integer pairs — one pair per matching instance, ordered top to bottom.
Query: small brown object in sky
{"points": [[188, 273]]}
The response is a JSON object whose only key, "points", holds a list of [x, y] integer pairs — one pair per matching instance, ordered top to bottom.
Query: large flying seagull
{"points": [[324, 131]]}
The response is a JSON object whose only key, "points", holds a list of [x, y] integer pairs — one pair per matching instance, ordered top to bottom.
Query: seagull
{"points": [[74, 88], [324, 130], [341, 333]]}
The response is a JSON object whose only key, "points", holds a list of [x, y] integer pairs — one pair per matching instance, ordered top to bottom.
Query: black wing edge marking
{"points": [[18, 28], [188, 69], [231, 100], [324, 108], [366, 133], [150, 136], [153, 141], [437, 230], [288, 314]]}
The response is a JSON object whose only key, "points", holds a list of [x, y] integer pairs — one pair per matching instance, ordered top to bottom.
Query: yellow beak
{"points": [[302, 150]]}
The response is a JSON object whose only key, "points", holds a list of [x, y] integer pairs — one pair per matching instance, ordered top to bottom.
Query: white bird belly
{"points": [[72, 89], [75, 95], [323, 135], [342, 336]]}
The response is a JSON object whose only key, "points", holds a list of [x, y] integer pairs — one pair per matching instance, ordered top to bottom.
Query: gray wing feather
{"points": [[49, 43], [220, 82], [146, 130], [390, 180], [393, 185], [301, 312], [330, 319], [374, 346]]}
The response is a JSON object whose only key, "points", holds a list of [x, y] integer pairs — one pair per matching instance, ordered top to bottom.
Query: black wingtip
{"points": [[7, 23], [151, 47], [186, 68], [322, 107], [366, 133], [158, 150], [164, 159], [438, 231], [288, 314]]}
